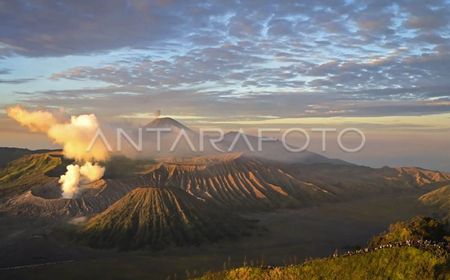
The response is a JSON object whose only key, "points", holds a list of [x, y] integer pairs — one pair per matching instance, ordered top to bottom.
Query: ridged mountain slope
{"points": [[238, 181], [159, 217]]}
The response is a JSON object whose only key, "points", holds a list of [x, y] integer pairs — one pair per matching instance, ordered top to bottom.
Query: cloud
{"points": [[41, 28], [46, 28], [236, 57], [15, 81], [113, 102], [91, 171]]}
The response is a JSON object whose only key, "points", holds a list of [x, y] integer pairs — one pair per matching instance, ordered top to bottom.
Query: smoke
{"points": [[38, 121], [75, 137], [92, 172], [75, 174], [70, 181]]}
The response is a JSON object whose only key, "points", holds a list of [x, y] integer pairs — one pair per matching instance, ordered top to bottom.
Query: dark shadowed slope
{"points": [[8, 154], [27, 171], [440, 199], [159, 217], [417, 249], [388, 263]]}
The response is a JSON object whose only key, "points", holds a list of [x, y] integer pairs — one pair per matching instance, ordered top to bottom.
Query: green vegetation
{"points": [[27, 171], [440, 199], [418, 229], [418, 249], [389, 263]]}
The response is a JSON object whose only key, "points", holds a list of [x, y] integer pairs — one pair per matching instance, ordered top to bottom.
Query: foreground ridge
{"points": [[418, 249], [392, 263]]}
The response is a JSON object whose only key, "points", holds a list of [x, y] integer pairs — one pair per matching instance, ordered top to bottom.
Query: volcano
{"points": [[166, 123], [272, 150], [159, 217]]}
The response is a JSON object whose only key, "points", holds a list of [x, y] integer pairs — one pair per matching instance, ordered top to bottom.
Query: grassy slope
{"points": [[20, 174], [440, 199], [386, 263], [389, 263]]}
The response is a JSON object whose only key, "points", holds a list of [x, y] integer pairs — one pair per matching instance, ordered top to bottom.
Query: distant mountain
{"points": [[166, 123], [167, 140], [272, 150], [351, 181], [159, 217]]}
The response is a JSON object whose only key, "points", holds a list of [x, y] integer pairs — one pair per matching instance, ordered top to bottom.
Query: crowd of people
{"points": [[419, 244]]}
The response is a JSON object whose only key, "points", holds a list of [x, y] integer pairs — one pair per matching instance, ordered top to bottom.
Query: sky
{"points": [[380, 66]]}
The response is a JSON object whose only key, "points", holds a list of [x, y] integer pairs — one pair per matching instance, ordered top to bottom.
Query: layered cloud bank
{"points": [[75, 136]]}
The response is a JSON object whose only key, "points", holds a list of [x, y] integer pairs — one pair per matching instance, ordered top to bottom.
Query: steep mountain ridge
{"points": [[235, 180], [159, 217]]}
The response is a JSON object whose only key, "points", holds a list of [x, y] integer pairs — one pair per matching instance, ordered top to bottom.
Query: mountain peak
{"points": [[166, 122], [159, 217]]}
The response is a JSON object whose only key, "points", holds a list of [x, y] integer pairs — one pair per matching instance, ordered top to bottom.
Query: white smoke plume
{"points": [[38, 121], [75, 137], [92, 172], [75, 174], [70, 181]]}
